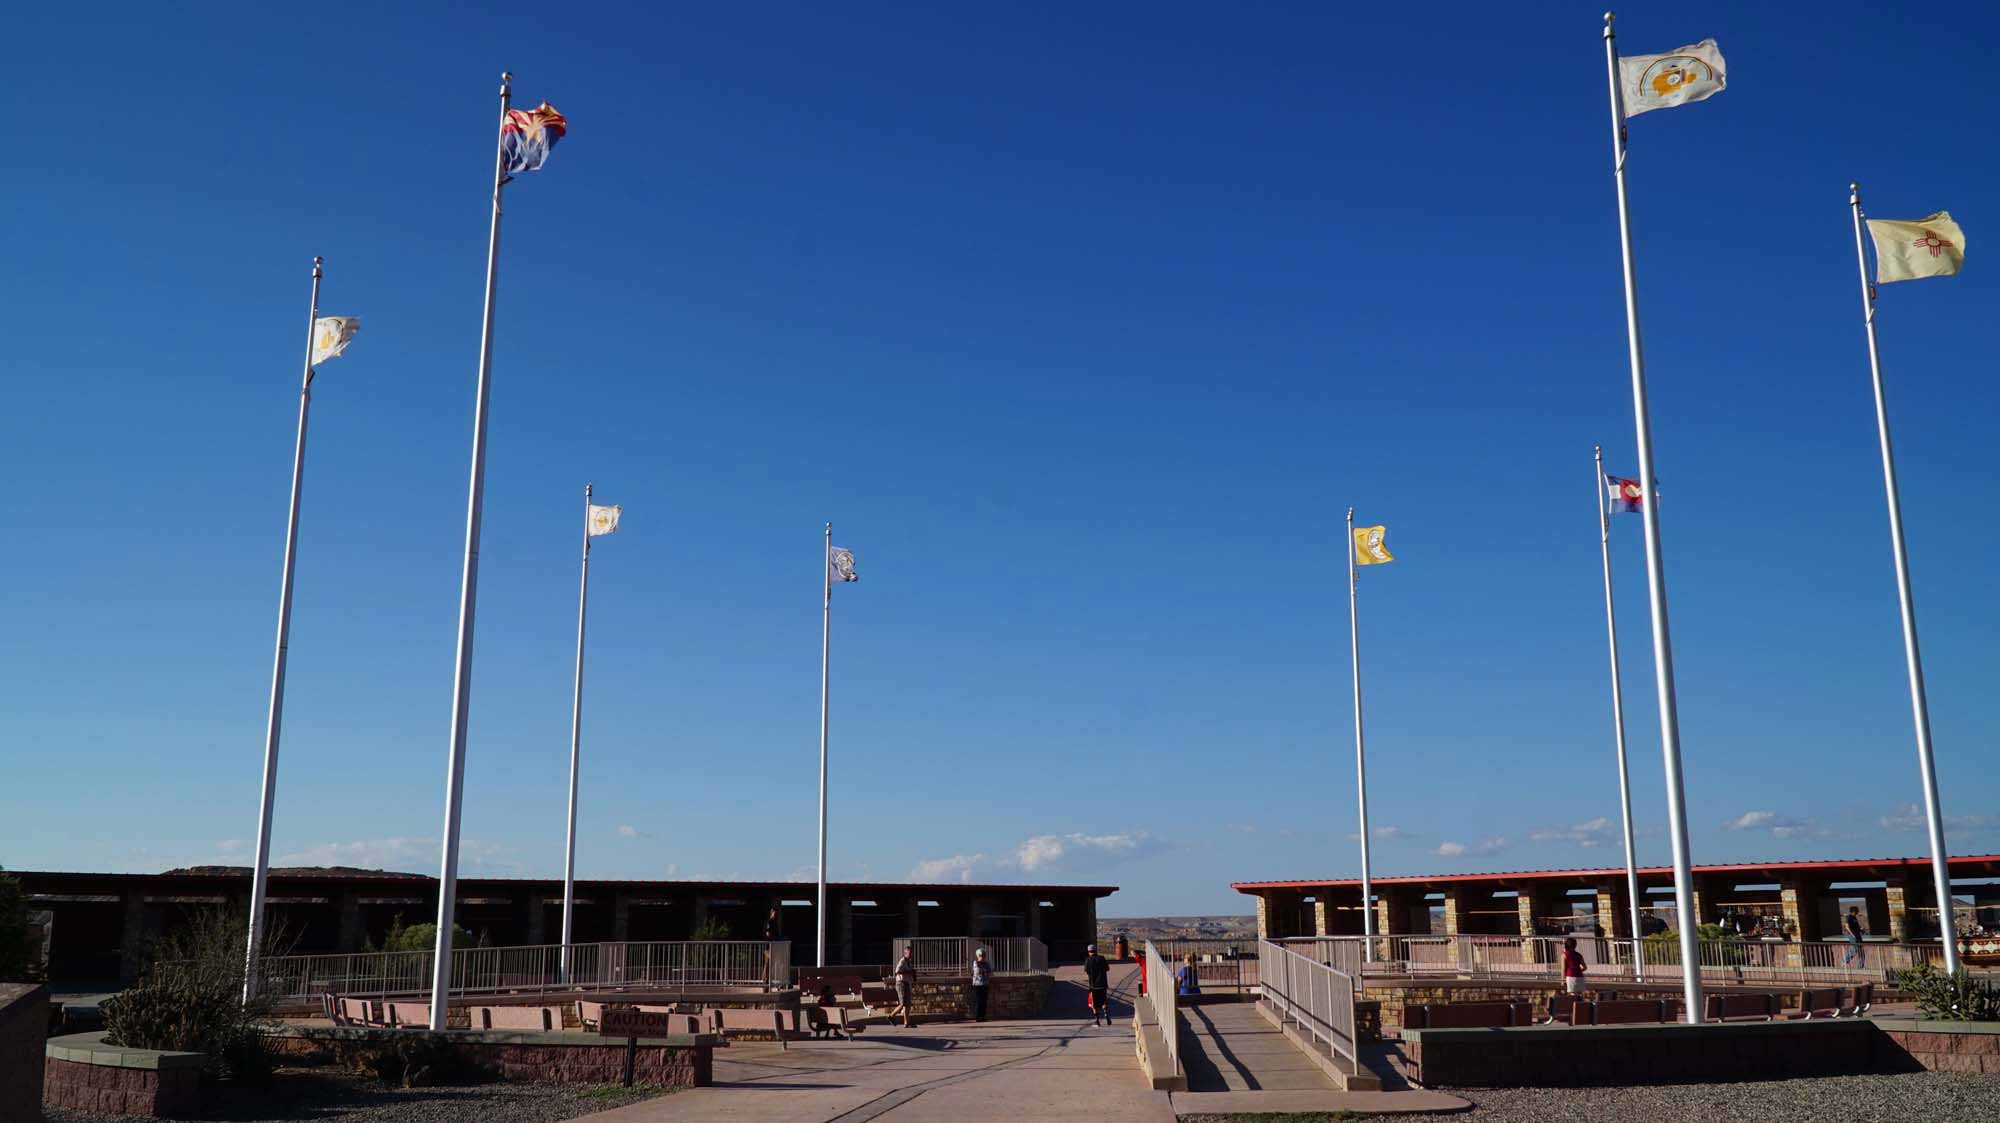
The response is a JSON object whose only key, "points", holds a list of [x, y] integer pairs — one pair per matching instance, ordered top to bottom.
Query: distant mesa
{"points": [[291, 871]]}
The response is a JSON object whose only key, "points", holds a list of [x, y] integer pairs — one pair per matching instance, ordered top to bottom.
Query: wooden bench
{"points": [[843, 980], [1864, 999], [1818, 1002], [1738, 1007], [1565, 1008], [1630, 1011], [355, 1012], [404, 1014], [589, 1014], [1468, 1015], [546, 1019], [725, 1020]]}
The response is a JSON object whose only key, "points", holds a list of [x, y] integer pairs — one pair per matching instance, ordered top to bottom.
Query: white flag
{"points": [[1650, 82], [1906, 249], [331, 335], [604, 520], [840, 565]]}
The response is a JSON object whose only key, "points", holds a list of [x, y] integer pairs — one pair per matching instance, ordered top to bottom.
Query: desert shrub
{"points": [[711, 929], [418, 937], [20, 940], [1961, 997], [190, 999], [411, 1059]]}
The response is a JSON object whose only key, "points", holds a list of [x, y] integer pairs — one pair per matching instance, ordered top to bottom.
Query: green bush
{"points": [[711, 929], [418, 937], [20, 941], [1961, 997], [190, 999]]}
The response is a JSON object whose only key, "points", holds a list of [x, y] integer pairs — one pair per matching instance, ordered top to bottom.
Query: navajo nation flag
{"points": [[529, 135]]}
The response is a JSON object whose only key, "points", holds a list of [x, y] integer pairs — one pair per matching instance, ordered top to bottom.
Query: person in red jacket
{"points": [[1572, 968]]}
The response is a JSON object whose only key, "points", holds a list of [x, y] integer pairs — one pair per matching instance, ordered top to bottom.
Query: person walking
{"points": [[1856, 953], [1573, 969], [1097, 971], [982, 974], [906, 981]]}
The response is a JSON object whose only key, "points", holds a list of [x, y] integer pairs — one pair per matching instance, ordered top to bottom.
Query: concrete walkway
{"points": [[1237, 1062], [1058, 1067]]}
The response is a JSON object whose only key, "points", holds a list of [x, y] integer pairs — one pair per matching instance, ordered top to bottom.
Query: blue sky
{"points": [[1084, 325]]}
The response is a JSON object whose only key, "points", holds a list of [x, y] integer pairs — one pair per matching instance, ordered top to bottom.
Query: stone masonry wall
{"points": [[24, 1025], [119, 1091]]}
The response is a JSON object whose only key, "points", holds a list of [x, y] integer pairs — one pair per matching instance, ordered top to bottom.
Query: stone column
{"points": [[1452, 897], [1387, 902], [1899, 909], [1322, 915], [1613, 915], [1264, 916], [537, 920], [1090, 920], [351, 933], [132, 937]]}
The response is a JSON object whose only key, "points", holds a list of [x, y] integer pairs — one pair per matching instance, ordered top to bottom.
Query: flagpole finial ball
{"points": [[1610, 16], [1854, 187]]}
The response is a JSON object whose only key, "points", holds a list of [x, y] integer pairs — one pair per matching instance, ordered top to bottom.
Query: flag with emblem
{"points": [[1679, 77], [529, 135], [1906, 249], [331, 335], [1626, 495], [604, 520], [1368, 547], [840, 565]]}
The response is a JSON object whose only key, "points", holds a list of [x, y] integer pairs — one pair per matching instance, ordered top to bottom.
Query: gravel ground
{"points": [[326, 1094], [1906, 1098]]}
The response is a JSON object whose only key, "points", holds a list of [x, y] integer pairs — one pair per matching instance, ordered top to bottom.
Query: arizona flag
{"points": [[529, 135], [1626, 495]]}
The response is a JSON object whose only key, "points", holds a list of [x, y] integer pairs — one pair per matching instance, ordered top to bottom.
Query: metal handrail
{"points": [[953, 955], [1748, 962], [674, 965], [1319, 997], [1165, 1001]]}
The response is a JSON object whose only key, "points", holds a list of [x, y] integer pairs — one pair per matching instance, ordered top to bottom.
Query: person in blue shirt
{"points": [[1188, 978]]}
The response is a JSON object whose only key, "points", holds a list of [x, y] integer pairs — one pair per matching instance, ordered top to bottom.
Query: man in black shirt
{"points": [[1097, 970]]}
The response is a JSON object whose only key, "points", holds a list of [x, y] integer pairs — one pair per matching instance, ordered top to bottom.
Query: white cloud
{"points": [[1910, 817], [1780, 826], [1241, 828], [627, 830], [1593, 833], [1382, 834], [1490, 845], [410, 855], [1043, 855], [958, 867]]}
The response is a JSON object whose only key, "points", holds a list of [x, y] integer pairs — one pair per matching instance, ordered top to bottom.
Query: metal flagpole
{"points": [[1656, 576], [825, 633], [461, 694], [1919, 700], [1618, 720], [575, 739], [1360, 766], [261, 874]]}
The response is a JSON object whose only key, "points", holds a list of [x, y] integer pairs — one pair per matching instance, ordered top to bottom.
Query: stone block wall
{"points": [[24, 1026], [1910, 1044], [1562, 1056], [674, 1061], [81, 1072]]}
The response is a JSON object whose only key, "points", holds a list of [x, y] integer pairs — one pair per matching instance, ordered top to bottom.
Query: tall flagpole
{"points": [[1656, 576], [825, 633], [461, 694], [1919, 700], [1618, 718], [575, 740], [1360, 765], [261, 874]]}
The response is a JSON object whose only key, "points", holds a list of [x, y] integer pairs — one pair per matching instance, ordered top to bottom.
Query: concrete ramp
{"points": [[1230, 1047]]}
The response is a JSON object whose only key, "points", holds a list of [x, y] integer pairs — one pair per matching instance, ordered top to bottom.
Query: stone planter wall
{"points": [[24, 1026], [1913, 1043], [1565, 1056], [673, 1060], [80, 1071]]}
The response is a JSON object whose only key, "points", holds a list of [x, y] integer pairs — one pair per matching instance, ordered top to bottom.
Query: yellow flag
{"points": [[1924, 247], [1368, 548]]}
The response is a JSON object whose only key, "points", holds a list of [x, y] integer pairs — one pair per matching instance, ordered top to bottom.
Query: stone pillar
{"points": [[1898, 896], [1452, 897], [1799, 898], [1386, 903], [1525, 912], [1703, 912], [1322, 915], [1613, 915], [1264, 916], [1090, 921], [537, 922], [351, 933], [132, 937]]}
